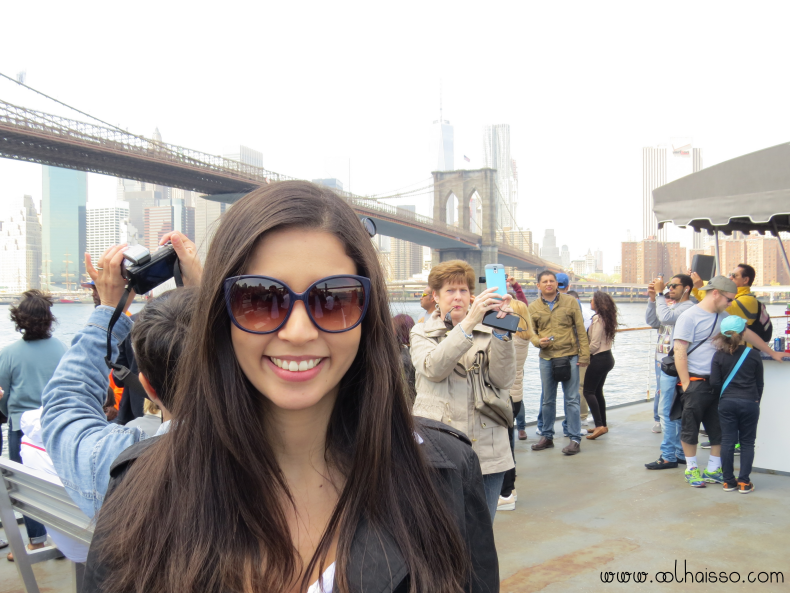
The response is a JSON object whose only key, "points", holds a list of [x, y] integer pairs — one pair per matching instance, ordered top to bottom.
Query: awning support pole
{"points": [[782, 247], [718, 260]]}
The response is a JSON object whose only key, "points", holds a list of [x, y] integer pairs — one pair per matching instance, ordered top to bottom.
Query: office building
{"points": [[445, 147], [496, 155], [246, 156], [661, 165], [654, 174], [331, 183], [207, 215], [158, 222], [105, 226], [63, 240], [20, 248], [549, 251], [565, 257], [406, 258], [598, 261], [643, 261]]}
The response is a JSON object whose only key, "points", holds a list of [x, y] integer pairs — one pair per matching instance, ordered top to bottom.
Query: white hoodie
{"points": [[35, 456]]}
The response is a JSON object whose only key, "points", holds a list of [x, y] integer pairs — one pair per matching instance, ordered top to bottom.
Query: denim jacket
{"points": [[77, 435]]}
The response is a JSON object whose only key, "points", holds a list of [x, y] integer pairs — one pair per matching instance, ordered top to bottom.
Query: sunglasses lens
{"points": [[258, 304], [337, 304]]}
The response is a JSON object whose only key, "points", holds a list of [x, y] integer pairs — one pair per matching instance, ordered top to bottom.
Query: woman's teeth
{"points": [[294, 366]]}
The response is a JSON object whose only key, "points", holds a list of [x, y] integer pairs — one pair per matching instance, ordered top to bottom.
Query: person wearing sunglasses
{"points": [[427, 303], [662, 315], [445, 350], [294, 461]]}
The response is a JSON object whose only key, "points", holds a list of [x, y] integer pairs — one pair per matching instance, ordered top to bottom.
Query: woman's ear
{"points": [[149, 390]]}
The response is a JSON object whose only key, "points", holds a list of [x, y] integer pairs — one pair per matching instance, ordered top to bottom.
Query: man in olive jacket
{"points": [[554, 317]]}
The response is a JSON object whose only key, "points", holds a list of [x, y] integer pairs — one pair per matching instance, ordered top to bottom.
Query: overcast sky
{"points": [[583, 85]]}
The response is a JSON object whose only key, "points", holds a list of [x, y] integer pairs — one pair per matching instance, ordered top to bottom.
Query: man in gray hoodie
{"points": [[662, 317]]}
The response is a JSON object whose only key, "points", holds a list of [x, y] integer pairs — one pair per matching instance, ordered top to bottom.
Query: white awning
{"points": [[748, 193]]}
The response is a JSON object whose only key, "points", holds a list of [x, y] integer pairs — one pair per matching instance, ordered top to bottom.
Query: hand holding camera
{"points": [[186, 250], [110, 283]]}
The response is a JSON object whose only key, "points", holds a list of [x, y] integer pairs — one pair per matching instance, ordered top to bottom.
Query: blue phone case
{"points": [[496, 278]]}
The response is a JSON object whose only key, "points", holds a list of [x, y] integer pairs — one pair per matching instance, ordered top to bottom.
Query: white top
{"points": [[35, 456], [328, 579]]}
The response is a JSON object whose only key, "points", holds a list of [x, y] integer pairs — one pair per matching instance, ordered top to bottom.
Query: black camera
{"points": [[147, 270]]}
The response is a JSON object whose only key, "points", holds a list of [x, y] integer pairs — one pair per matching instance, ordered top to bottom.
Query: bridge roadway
{"points": [[38, 137]]}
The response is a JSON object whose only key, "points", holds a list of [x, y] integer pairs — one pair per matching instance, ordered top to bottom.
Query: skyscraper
{"points": [[445, 142], [496, 155], [246, 156], [659, 168], [654, 174], [65, 193], [207, 216], [105, 226], [20, 248], [550, 251], [405, 257]]}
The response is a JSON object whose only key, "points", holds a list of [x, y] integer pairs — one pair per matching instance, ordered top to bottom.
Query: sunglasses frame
{"points": [[296, 296]]}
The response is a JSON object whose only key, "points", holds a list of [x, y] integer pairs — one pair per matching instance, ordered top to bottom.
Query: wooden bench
{"points": [[39, 496]]}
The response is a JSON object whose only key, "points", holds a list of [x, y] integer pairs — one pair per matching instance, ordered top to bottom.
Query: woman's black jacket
{"points": [[376, 563]]}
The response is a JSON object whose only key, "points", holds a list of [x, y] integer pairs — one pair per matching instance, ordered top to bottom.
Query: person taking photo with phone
{"points": [[452, 351]]}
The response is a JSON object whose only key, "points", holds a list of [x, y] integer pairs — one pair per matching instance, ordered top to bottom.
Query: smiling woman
{"points": [[294, 454]]}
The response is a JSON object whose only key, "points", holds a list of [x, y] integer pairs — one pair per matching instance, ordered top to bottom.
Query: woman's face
{"points": [[297, 257], [453, 297], [592, 303]]}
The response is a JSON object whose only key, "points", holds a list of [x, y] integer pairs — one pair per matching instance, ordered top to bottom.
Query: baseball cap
{"points": [[562, 280], [720, 283], [88, 284], [733, 323]]}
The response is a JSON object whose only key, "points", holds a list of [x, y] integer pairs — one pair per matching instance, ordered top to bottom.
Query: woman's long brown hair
{"points": [[606, 309], [211, 488]]}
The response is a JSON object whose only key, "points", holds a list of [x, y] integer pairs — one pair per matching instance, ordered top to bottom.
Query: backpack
{"points": [[761, 322]]}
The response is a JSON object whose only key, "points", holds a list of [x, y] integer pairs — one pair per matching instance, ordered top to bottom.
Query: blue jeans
{"points": [[570, 389], [659, 391], [540, 411], [738, 419], [521, 422], [671, 449], [493, 486], [36, 532]]}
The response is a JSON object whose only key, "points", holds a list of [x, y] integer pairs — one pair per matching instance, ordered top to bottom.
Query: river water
{"points": [[630, 380]]}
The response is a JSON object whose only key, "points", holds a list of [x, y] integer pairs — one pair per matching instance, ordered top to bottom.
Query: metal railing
{"points": [[72, 130]]}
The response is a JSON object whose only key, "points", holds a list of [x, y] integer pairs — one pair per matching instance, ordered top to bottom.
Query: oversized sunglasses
{"points": [[262, 305]]}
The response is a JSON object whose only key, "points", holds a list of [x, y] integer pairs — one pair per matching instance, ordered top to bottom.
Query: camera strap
{"points": [[121, 373]]}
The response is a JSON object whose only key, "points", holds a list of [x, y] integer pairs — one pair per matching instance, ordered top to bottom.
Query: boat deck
{"points": [[602, 511]]}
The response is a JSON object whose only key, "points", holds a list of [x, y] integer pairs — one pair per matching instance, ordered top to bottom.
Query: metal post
{"points": [[782, 247], [718, 260]]}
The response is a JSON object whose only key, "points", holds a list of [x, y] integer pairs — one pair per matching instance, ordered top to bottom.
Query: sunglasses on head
{"points": [[262, 305]]}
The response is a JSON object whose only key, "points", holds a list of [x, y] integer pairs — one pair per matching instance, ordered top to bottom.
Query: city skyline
{"points": [[577, 125]]}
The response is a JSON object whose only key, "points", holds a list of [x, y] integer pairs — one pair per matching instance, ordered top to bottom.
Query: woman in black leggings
{"points": [[601, 335]]}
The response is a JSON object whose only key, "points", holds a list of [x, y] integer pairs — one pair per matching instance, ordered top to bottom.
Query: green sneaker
{"points": [[738, 449], [716, 477], [694, 478]]}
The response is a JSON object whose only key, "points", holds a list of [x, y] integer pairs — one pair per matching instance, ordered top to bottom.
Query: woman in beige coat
{"points": [[444, 348]]}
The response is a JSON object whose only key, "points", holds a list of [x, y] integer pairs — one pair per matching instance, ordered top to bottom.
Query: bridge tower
{"points": [[463, 184]]}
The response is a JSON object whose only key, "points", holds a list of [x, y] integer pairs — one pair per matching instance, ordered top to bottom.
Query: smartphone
{"points": [[495, 277]]}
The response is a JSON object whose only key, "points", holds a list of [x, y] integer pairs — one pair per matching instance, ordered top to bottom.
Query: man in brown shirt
{"points": [[562, 352]]}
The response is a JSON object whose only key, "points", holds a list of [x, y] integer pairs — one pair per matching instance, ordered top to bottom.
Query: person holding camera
{"points": [[562, 340], [464, 369], [82, 444], [294, 459]]}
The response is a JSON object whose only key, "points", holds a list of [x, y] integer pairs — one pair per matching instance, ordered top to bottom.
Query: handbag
{"points": [[668, 362], [561, 368], [734, 370], [487, 399]]}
